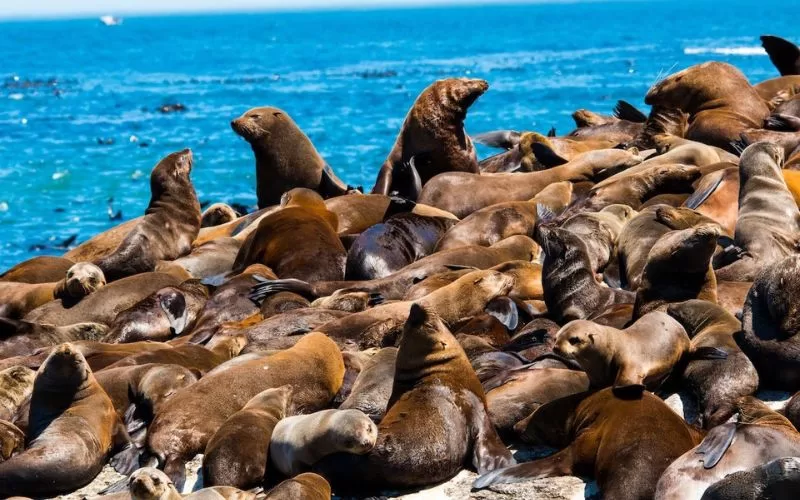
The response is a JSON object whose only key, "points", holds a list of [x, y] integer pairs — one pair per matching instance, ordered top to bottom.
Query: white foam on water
{"points": [[727, 51]]}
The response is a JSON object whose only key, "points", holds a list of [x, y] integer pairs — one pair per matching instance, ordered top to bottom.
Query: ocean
{"points": [[80, 125]]}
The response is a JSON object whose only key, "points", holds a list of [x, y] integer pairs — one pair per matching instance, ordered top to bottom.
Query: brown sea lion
{"points": [[777, 90], [623, 127], [433, 136], [519, 156], [285, 157], [357, 212], [216, 214], [170, 224], [487, 226], [239, 227], [600, 231], [299, 241], [103, 244], [213, 258], [41, 269], [260, 334], [22, 338], [201, 359], [717, 384], [16, 385], [373, 387], [435, 391], [70, 416], [188, 420], [760, 435], [625, 444], [237, 454], [778, 480], [149, 483], [308, 486]]}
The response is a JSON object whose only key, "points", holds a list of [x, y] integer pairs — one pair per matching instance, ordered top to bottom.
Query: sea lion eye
{"points": [[253, 116], [574, 340]]}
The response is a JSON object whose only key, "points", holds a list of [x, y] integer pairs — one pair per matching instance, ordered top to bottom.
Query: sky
{"points": [[72, 8]]}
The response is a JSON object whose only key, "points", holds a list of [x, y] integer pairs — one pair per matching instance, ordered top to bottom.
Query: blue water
{"points": [[347, 78]]}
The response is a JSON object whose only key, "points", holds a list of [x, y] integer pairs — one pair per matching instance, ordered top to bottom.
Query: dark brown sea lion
{"points": [[785, 55], [720, 102], [433, 135], [285, 157], [216, 214], [170, 224], [299, 241], [42, 269], [103, 305], [22, 338], [717, 384], [16, 385], [373, 387], [435, 390], [70, 416], [188, 420], [760, 435], [625, 444], [237, 454], [777, 480], [308, 486]]}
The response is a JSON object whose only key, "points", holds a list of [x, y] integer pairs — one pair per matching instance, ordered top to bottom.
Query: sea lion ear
{"points": [[546, 155], [504, 310], [417, 316], [591, 337]]}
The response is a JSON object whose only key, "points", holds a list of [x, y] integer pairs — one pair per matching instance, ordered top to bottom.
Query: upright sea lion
{"points": [[433, 135], [285, 157], [216, 214], [170, 224], [299, 241], [41, 269], [23, 338], [16, 384], [717, 384], [373, 387], [436, 395], [70, 416], [188, 420], [760, 435], [625, 444], [237, 454], [778, 480], [308, 486]]}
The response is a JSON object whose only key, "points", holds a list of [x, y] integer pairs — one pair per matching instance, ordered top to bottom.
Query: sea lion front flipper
{"points": [[785, 55], [628, 112], [500, 139], [546, 156], [384, 181], [330, 185], [701, 195], [612, 273], [267, 287], [174, 306], [504, 310], [708, 352], [629, 384], [715, 444], [488, 451], [126, 461], [558, 464]]}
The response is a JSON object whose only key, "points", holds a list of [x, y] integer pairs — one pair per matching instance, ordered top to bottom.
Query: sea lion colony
{"points": [[369, 344]]}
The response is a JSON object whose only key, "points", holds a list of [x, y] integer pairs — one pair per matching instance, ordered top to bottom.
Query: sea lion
{"points": [[785, 55], [720, 102], [623, 127], [433, 135], [285, 157], [518, 157], [463, 193], [357, 212], [216, 214], [769, 221], [170, 224], [489, 225], [238, 228], [600, 231], [299, 241], [103, 244], [389, 246], [213, 258], [678, 268], [41, 269], [80, 280], [345, 301], [103, 305], [769, 325], [261, 334], [23, 338], [640, 357], [200, 359], [717, 384], [16, 385], [373, 387], [437, 393], [70, 416], [188, 420], [760, 435], [12, 440], [300, 441], [625, 444], [237, 454], [778, 480], [149, 483], [308, 486]]}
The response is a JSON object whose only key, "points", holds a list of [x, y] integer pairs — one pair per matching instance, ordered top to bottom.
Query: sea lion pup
{"points": [[785, 55], [720, 102], [433, 135], [285, 157], [447, 191], [217, 214], [769, 221], [170, 224], [600, 231], [299, 241], [389, 246], [678, 268], [41, 269], [570, 285], [395, 286], [18, 299], [103, 305], [161, 315], [770, 325], [23, 338], [640, 357], [16, 384], [717, 384], [373, 386], [435, 390], [71, 416], [188, 419], [760, 435], [12, 440], [300, 441], [625, 444], [237, 454], [777, 480], [149, 483], [308, 486]]}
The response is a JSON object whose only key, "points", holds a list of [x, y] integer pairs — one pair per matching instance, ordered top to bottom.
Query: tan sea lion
{"points": [[717, 197], [357, 212], [216, 214], [489, 225], [600, 231], [103, 244], [41, 269], [23, 338], [16, 384], [373, 387], [12, 440], [149, 483], [308, 486]]}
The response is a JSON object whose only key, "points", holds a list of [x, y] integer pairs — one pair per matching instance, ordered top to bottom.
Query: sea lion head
{"points": [[689, 88], [458, 94], [259, 124], [762, 158], [177, 165], [302, 197], [623, 213], [218, 214], [552, 239], [689, 249], [84, 278], [580, 340], [425, 342], [65, 369], [21, 376], [161, 382], [279, 397], [354, 432], [149, 483]]}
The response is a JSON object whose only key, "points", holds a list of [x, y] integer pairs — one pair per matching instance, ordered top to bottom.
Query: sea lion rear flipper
{"points": [[785, 55], [628, 112], [782, 123], [551, 132], [500, 139], [741, 144], [546, 156], [406, 180], [330, 185], [698, 197], [398, 205], [457, 267], [267, 287], [174, 306], [504, 310], [704, 353], [715, 444], [488, 451], [126, 461], [558, 464]]}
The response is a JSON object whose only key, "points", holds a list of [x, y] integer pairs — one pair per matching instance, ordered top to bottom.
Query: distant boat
{"points": [[111, 20]]}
